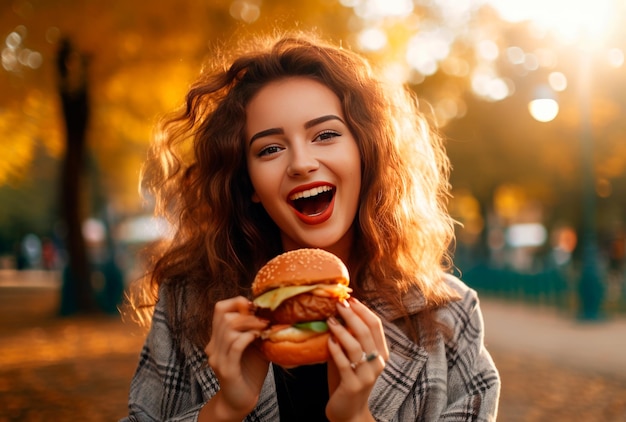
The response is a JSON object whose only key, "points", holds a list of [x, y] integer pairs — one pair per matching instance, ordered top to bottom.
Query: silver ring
{"points": [[371, 356], [365, 357], [353, 365]]}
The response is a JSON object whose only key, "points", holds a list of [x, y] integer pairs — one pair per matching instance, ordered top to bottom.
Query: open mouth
{"points": [[312, 202]]}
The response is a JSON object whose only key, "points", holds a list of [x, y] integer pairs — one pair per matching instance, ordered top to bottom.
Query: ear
{"points": [[255, 198]]}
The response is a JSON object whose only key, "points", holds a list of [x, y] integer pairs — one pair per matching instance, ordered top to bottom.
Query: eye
{"points": [[326, 135], [269, 150]]}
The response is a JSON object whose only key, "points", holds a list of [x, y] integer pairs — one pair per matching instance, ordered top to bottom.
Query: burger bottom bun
{"points": [[289, 354]]}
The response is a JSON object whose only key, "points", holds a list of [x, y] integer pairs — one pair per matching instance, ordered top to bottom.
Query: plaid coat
{"points": [[456, 380]]}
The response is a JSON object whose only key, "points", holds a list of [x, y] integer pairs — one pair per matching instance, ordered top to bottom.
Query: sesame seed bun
{"points": [[300, 267]]}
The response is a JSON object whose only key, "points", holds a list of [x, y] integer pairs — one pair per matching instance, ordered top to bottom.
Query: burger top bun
{"points": [[300, 267]]}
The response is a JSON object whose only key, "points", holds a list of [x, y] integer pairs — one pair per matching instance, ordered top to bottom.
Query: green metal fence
{"points": [[554, 287]]}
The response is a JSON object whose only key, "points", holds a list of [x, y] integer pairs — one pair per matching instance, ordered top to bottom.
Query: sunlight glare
{"points": [[378, 9], [571, 19]]}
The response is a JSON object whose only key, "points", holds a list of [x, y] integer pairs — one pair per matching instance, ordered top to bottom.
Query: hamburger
{"points": [[297, 292]]}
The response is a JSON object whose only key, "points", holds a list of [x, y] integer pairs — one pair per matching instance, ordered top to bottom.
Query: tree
{"points": [[77, 294]]}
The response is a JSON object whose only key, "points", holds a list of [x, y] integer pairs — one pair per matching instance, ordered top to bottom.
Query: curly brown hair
{"points": [[197, 172]]}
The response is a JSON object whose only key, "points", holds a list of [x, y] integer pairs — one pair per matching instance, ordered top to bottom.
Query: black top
{"points": [[302, 392]]}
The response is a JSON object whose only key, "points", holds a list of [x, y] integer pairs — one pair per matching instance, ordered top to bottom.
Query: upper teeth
{"points": [[310, 192]]}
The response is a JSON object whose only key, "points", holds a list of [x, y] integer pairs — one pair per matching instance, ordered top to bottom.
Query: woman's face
{"points": [[304, 164]]}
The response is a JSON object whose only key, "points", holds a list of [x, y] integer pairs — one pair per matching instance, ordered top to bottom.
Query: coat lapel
{"points": [[406, 361]]}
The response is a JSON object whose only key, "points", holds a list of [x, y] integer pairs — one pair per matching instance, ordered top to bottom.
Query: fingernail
{"points": [[345, 303], [332, 320]]}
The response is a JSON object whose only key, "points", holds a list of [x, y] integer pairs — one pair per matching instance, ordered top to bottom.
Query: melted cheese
{"points": [[273, 298]]}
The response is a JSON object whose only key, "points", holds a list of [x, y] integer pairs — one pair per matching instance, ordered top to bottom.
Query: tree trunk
{"points": [[77, 293]]}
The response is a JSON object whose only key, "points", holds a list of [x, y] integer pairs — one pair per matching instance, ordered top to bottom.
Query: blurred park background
{"points": [[530, 96]]}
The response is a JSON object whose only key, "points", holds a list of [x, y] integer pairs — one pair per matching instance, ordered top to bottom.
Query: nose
{"points": [[301, 162]]}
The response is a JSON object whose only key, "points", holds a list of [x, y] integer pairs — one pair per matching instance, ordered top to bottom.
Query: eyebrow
{"points": [[307, 125]]}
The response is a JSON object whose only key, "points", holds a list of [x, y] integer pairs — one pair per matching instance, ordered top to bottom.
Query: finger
{"points": [[235, 304], [221, 309], [227, 311], [231, 317], [238, 322], [231, 325], [375, 326], [363, 331], [350, 344], [227, 347], [235, 350], [226, 351], [339, 358], [333, 370], [354, 375]]}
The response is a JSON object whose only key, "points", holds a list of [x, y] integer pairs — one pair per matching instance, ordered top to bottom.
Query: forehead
{"points": [[289, 99]]}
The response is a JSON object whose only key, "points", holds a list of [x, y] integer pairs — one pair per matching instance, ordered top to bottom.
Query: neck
{"points": [[341, 248]]}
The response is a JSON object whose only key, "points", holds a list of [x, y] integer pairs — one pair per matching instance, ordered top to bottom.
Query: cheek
{"points": [[356, 165], [262, 182], [358, 182], [356, 189]]}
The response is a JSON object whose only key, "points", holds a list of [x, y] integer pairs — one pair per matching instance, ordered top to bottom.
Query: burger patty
{"points": [[301, 308]]}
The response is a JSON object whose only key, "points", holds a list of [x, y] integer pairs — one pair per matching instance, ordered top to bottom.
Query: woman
{"points": [[295, 143]]}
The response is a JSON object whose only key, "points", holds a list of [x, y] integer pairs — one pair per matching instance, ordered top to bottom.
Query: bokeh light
{"points": [[246, 10], [372, 39], [426, 49], [15, 56], [616, 57], [557, 81], [489, 86], [543, 109]]}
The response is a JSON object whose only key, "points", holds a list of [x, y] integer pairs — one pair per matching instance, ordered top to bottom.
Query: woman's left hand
{"points": [[358, 356]]}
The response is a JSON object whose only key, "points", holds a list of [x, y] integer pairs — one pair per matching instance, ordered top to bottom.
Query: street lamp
{"points": [[588, 32], [544, 108], [590, 288]]}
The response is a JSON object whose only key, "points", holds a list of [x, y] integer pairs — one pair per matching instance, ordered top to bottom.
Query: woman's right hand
{"points": [[239, 366]]}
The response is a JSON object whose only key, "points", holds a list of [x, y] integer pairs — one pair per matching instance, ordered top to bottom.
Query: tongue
{"points": [[312, 206]]}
